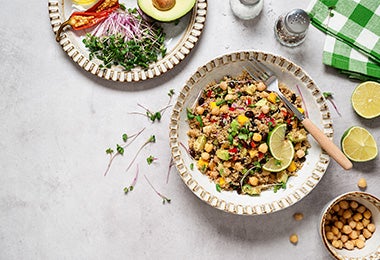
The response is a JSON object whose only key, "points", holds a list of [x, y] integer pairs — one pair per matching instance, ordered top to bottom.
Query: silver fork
{"points": [[260, 72]]}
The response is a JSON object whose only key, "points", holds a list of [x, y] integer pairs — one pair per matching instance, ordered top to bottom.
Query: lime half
{"points": [[366, 98], [358, 144], [281, 149]]}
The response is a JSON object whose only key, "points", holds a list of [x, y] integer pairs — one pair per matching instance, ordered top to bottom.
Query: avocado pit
{"points": [[163, 5]]}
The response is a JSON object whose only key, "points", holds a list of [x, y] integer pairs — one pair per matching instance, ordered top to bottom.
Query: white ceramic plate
{"points": [[180, 39], [297, 187]]}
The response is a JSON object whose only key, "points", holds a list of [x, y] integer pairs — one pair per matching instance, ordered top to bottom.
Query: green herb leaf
{"points": [[171, 92], [190, 114], [199, 119], [125, 137], [119, 149], [109, 151], [150, 159], [191, 166], [218, 188]]}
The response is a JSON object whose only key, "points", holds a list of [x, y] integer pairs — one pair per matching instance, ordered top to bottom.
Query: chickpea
{"points": [[223, 85], [261, 86], [229, 97], [224, 109], [265, 109], [199, 110], [215, 111], [257, 137], [208, 147], [263, 148], [300, 153], [205, 156], [254, 181], [362, 183], [344, 204], [354, 204], [336, 207], [361, 209], [347, 214], [367, 214], [298, 216], [357, 217], [365, 222], [338, 224], [352, 224], [359, 226], [371, 227], [346, 229], [335, 230], [366, 233], [353, 234], [329, 235], [361, 237], [344, 238], [293, 239], [359, 243], [337, 244], [349, 245]]}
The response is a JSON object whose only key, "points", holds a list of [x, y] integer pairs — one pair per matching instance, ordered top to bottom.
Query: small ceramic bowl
{"points": [[371, 250]]}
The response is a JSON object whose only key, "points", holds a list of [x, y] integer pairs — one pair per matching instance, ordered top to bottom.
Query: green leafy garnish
{"points": [[218, 188]]}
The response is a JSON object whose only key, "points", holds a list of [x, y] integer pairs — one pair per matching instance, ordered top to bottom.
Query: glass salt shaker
{"points": [[246, 9], [290, 29]]}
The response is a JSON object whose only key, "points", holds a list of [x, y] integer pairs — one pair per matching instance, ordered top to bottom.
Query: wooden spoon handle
{"points": [[327, 145]]}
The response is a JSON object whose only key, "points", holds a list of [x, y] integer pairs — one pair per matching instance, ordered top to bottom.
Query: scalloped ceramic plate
{"points": [[180, 39], [297, 187]]}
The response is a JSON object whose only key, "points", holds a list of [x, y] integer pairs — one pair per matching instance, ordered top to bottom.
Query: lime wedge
{"points": [[366, 98], [358, 144], [281, 149], [275, 165]]}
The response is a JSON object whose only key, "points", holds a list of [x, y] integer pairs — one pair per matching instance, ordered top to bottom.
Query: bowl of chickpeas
{"points": [[348, 226]]}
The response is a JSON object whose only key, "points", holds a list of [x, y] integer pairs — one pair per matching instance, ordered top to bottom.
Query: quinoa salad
{"points": [[228, 136]]}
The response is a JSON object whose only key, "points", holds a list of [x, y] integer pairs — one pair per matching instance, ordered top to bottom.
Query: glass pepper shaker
{"points": [[246, 9], [290, 29]]}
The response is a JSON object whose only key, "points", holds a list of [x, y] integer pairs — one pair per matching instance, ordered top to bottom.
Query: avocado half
{"points": [[180, 8]]}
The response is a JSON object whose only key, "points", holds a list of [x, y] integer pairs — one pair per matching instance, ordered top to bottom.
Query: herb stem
{"points": [[151, 139], [163, 197]]}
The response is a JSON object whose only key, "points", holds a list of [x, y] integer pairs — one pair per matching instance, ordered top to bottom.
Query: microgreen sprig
{"points": [[329, 97], [152, 116], [152, 139], [120, 149], [151, 159], [133, 184], [163, 197]]}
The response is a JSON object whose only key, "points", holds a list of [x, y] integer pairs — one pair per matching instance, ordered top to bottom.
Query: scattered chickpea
{"points": [[215, 111], [362, 183], [354, 204], [361, 209], [347, 214], [298, 216], [357, 217], [346, 229], [366, 233], [344, 238], [293, 239], [337, 244]]}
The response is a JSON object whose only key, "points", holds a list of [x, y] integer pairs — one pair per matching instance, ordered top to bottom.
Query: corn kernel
{"points": [[272, 97], [212, 105], [301, 110], [242, 119], [253, 153], [202, 164], [292, 167], [222, 181]]}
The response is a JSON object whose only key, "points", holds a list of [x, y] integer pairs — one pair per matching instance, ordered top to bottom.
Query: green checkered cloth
{"points": [[353, 35]]}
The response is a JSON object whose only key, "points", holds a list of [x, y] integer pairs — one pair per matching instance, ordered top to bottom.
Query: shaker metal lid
{"points": [[297, 21]]}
